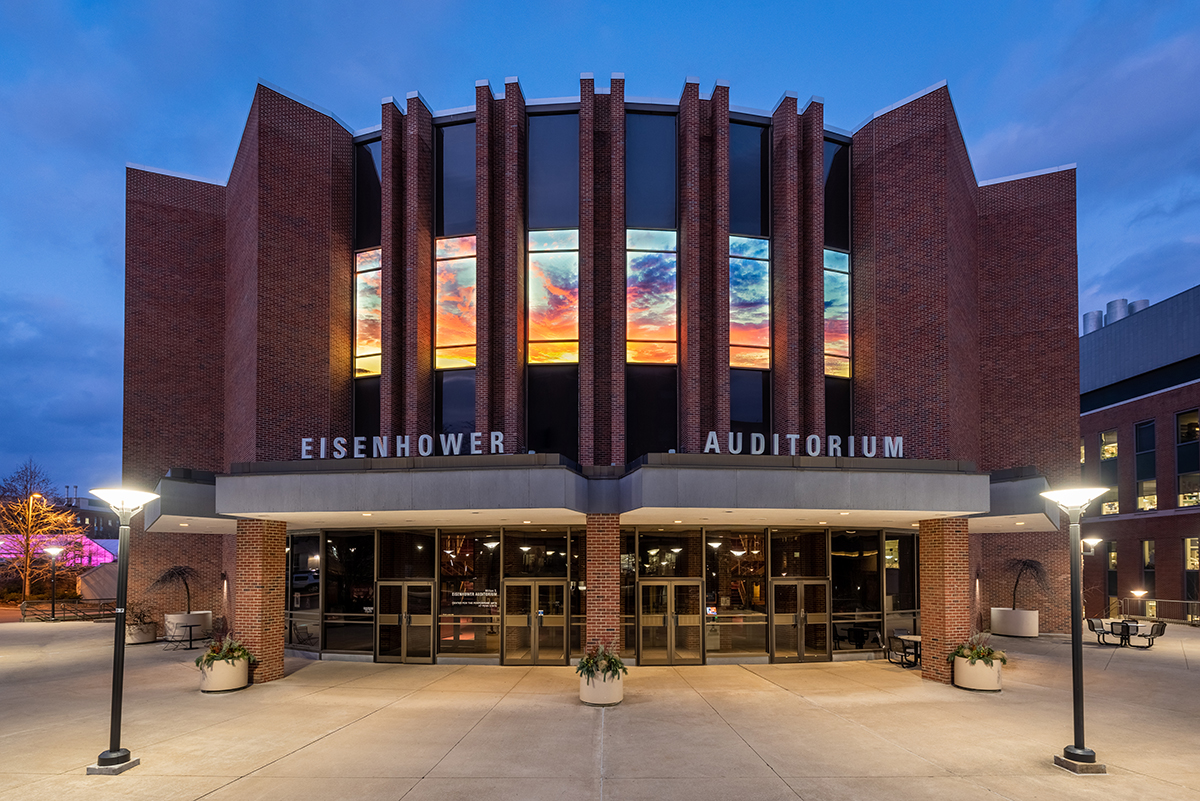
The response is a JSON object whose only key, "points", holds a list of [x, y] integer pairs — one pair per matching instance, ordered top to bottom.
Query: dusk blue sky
{"points": [[87, 87]]}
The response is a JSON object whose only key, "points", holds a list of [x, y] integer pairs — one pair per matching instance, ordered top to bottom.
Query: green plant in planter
{"points": [[138, 613], [224, 649], [977, 649], [601, 662]]}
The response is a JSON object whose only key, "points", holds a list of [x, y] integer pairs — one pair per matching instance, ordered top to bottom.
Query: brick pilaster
{"points": [[616, 155], [811, 247], [719, 256], [485, 257], [512, 262], [418, 267], [587, 268], [392, 283], [786, 318], [692, 320], [604, 580], [945, 593], [259, 600]]}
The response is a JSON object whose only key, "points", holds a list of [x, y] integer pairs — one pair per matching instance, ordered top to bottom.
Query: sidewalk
{"points": [[848, 730]]}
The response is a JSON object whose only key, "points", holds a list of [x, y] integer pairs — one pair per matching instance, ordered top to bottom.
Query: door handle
{"points": [[407, 619]]}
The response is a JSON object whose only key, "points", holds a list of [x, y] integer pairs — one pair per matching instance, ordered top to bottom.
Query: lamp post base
{"points": [[1076, 754], [110, 758], [1078, 766], [112, 770]]}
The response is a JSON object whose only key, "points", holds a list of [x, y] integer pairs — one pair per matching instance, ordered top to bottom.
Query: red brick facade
{"points": [[963, 315]]}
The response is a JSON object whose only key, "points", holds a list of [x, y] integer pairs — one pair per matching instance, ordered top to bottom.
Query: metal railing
{"points": [[1162, 609], [68, 610]]}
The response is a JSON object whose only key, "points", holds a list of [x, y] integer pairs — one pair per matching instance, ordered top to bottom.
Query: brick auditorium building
{"points": [[705, 383]]}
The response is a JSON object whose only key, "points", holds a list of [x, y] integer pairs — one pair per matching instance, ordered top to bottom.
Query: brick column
{"points": [[718, 256], [811, 256], [509, 259], [616, 265], [587, 266], [418, 267], [394, 285], [787, 309], [691, 315], [486, 416], [603, 580], [945, 593], [259, 594]]}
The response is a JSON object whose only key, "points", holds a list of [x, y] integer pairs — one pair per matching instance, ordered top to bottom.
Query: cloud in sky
{"points": [[88, 86]]}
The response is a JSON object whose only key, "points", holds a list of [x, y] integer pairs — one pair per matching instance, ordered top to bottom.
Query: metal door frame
{"points": [[533, 583], [404, 584], [670, 584], [802, 619]]}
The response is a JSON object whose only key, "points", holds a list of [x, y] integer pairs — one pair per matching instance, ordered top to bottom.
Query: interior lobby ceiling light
{"points": [[714, 545], [491, 546], [676, 550]]}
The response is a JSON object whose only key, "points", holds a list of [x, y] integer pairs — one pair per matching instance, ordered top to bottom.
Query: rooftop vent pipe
{"points": [[1138, 305], [1117, 310], [1093, 321]]}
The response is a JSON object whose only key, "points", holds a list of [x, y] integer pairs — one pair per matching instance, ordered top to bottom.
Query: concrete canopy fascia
{"points": [[190, 505], [1017, 506]]}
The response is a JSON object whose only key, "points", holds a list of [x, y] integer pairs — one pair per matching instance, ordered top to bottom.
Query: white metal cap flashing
{"points": [[587, 76], [617, 76], [483, 82], [419, 96], [782, 98], [392, 99], [812, 99], [303, 102], [900, 103], [370, 129], [171, 173], [1034, 174]]}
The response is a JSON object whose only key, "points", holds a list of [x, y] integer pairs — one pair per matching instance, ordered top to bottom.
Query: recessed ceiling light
{"points": [[843, 513], [366, 514], [680, 521], [526, 522], [820, 522], [1020, 522], [184, 524], [915, 525]]}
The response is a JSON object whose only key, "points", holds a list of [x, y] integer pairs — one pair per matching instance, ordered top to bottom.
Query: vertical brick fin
{"points": [[719, 107], [811, 171], [616, 222], [962, 241], [174, 253], [485, 257], [513, 265], [418, 268], [587, 268], [902, 272], [304, 277], [708, 283], [393, 285], [241, 295], [691, 314], [607, 335], [788, 345], [1029, 352], [604, 581], [260, 590], [945, 593]]}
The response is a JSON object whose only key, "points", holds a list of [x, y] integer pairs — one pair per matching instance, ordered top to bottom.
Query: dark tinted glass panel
{"points": [[650, 166], [554, 171], [749, 179], [455, 180], [837, 195], [368, 197], [750, 401], [553, 402], [455, 404], [366, 407], [838, 408], [650, 409], [1144, 436], [1187, 458], [1145, 466], [1108, 472], [535, 553], [670, 553], [406, 554], [798, 554], [304, 565], [629, 565], [900, 567], [855, 572], [349, 573], [1112, 582], [1191, 586]]}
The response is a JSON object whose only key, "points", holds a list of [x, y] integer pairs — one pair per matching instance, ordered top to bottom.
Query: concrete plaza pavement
{"points": [[822, 732]]}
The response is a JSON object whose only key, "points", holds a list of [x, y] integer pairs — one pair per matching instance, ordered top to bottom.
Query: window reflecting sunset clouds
{"points": [[553, 287], [749, 303], [368, 314], [651, 314], [837, 314], [454, 338]]}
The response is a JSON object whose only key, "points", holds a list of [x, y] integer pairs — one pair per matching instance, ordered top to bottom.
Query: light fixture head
{"points": [[1076, 497], [124, 500], [843, 513], [366, 514], [678, 521], [526, 522], [1092, 542], [714, 545], [491, 546], [525, 547], [53, 550], [676, 550], [653, 552], [738, 553], [1138, 593]]}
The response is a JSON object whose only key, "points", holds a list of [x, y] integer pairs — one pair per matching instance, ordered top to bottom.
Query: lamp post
{"points": [[1073, 502], [126, 503], [28, 549], [54, 551]]}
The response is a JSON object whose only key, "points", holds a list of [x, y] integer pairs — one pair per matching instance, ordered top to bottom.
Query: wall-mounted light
{"points": [[1091, 543], [738, 553], [1138, 593]]}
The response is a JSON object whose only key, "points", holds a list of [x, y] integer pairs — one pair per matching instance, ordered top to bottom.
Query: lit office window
{"points": [[554, 297], [650, 297], [749, 303], [837, 314], [368, 316], [454, 338], [1143, 441], [1187, 457], [1108, 473], [1191, 575]]}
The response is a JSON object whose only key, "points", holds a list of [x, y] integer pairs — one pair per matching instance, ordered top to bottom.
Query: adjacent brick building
{"points": [[503, 382]]}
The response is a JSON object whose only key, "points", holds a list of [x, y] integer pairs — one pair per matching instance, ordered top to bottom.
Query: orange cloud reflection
{"points": [[456, 248], [455, 302], [553, 352], [650, 352], [449, 358], [757, 358], [837, 366]]}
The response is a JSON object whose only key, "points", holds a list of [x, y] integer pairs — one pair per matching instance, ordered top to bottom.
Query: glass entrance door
{"points": [[800, 621], [404, 622], [535, 623], [670, 623]]}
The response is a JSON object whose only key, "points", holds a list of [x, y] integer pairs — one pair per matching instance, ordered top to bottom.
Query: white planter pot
{"points": [[1014, 622], [172, 626], [135, 634], [978, 676], [220, 677], [601, 693]]}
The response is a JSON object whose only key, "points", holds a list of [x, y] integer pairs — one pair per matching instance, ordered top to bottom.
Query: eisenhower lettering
{"points": [[356, 447]]}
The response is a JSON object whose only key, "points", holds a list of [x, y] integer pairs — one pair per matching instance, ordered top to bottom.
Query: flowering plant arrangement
{"points": [[224, 649], [977, 649], [599, 661]]}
